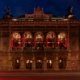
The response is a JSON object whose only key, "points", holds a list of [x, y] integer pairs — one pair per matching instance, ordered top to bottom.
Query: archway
{"points": [[27, 39], [50, 39], [15, 40], [38, 40], [62, 44], [62, 62], [16, 63], [29, 64], [39, 64], [49, 64]]}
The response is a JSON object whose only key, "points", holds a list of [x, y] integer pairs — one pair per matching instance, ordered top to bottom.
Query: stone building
{"points": [[39, 41]]}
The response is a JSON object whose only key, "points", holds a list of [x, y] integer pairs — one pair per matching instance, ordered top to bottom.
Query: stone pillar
{"points": [[22, 63], [55, 63], [33, 64], [45, 64], [10, 66], [68, 67]]}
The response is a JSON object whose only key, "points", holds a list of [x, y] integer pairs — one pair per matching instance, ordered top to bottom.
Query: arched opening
{"points": [[27, 39], [50, 39], [16, 40], [62, 40], [38, 41], [16, 63], [62, 63], [29, 64], [39, 64], [49, 64]]}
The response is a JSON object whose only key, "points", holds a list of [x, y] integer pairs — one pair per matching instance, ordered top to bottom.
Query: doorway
{"points": [[62, 63], [16, 64], [29, 64], [39, 64], [49, 64]]}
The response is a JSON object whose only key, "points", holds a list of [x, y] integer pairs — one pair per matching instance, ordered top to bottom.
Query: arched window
{"points": [[27, 39], [50, 39], [16, 40], [38, 40], [62, 40]]}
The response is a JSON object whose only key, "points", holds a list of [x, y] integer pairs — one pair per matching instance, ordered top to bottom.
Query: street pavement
{"points": [[15, 75]]}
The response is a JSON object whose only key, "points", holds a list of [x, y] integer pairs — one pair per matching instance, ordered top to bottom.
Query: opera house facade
{"points": [[39, 42]]}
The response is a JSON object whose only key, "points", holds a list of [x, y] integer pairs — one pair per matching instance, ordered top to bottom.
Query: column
{"points": [[10, 55], [55, 63], [33, 64], [45, 64], [10, 66], [22, 66], [68, 66]]}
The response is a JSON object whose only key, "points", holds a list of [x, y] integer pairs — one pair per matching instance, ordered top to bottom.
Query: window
{"points": [[39, 38], [27, 39], [50, 39], [16, 40], [62, 40]]}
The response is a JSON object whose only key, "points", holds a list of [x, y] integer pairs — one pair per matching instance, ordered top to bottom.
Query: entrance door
{"points": [[62, 63], [16, 64], [29, 64], [39, 64], [49, 64]]}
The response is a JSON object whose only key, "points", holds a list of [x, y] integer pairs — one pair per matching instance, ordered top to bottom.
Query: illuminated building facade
{"points": [[39, 41]]}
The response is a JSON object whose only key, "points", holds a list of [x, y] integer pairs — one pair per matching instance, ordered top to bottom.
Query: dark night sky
{"points": [[56, 7]]}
